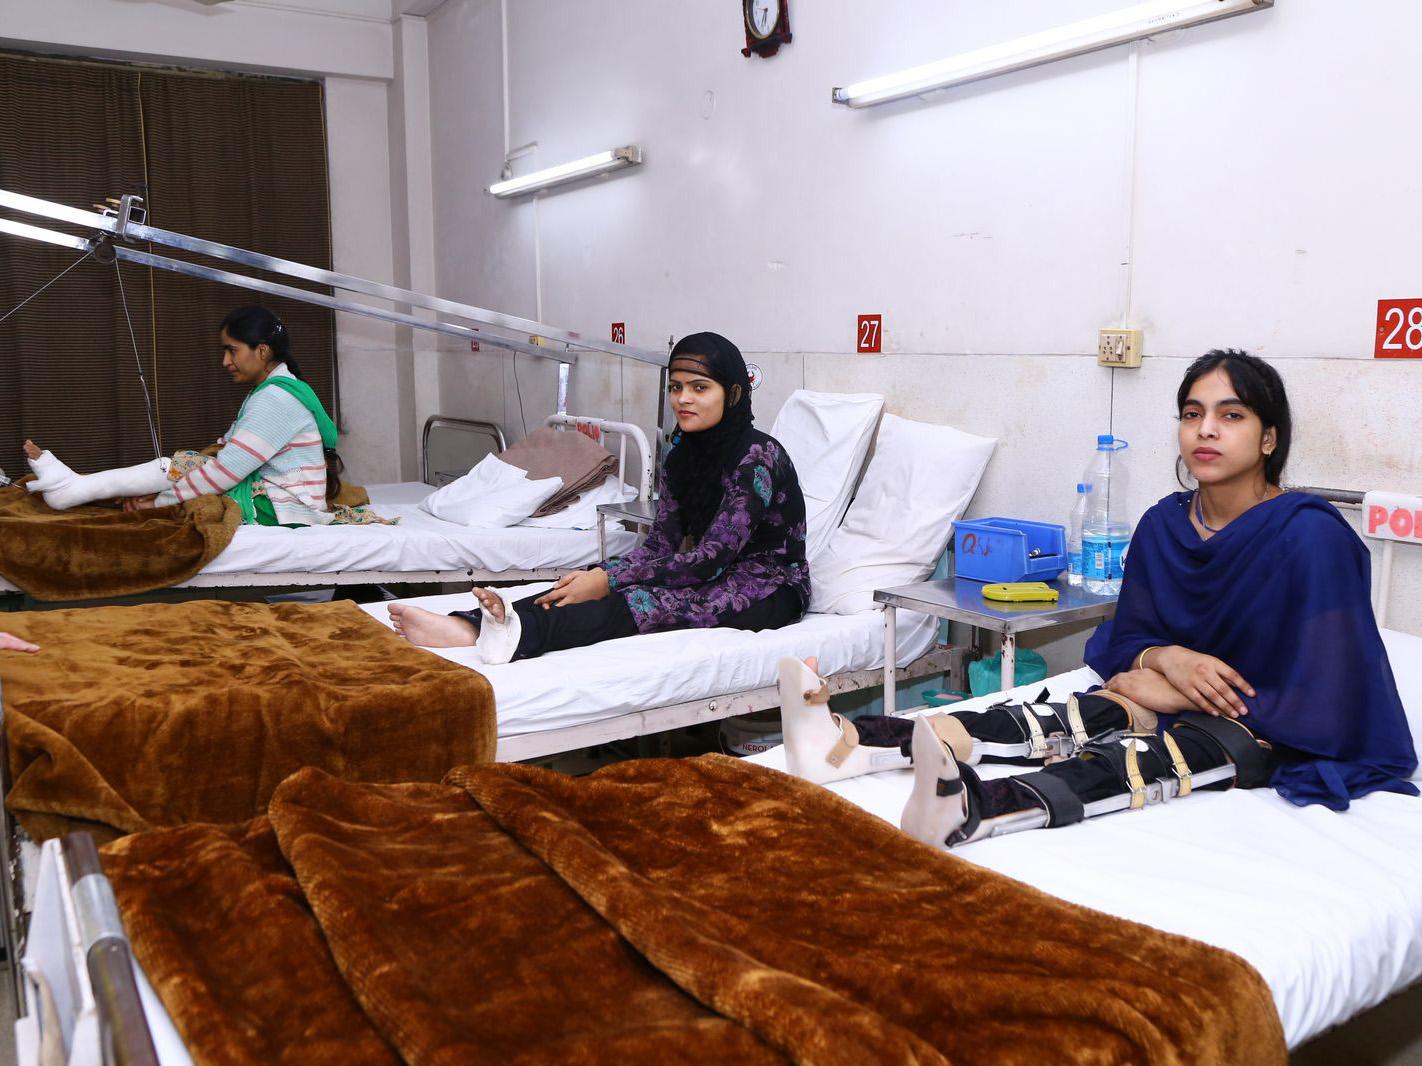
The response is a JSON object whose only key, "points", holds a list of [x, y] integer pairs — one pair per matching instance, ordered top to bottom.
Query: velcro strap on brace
{"points": [[1079, 735], [847, 742], [1240, 746], [1119, 752], [1179, 765], [968, 779], [1134, 781], [1062, 804]]}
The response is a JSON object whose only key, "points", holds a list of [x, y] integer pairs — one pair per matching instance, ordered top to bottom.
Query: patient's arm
{"points": [[1209, 683], [1152, 691]]}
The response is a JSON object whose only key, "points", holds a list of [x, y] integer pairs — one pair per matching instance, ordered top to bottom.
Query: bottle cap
{"points": [[1105, 440], [1082, 488]]}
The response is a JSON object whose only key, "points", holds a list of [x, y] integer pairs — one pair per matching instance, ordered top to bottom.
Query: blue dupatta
{"points": [[1282, 595]]}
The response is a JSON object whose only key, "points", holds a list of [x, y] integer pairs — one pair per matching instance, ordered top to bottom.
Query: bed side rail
{"points": [[624, 432], [78, 967]]}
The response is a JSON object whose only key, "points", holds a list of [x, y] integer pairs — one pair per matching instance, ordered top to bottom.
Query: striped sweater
{"points": [[275, 434]]}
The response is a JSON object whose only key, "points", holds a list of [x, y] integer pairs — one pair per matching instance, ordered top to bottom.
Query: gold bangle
{"points": [[1140, 659]]}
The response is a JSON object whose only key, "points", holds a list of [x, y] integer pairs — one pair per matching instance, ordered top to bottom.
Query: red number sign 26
{"points": [[619, 333], [1399, 334], [870, 335]]}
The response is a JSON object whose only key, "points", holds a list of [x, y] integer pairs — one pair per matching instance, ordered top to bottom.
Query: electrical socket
{"points": [[1119, 347]]}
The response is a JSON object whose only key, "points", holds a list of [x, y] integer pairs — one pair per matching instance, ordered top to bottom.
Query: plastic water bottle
{"points": [[1074, 524], [1105, 529]]}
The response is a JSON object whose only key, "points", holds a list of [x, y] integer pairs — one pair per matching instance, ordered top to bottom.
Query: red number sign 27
{"points": [[1399, 334], [870, 336]]}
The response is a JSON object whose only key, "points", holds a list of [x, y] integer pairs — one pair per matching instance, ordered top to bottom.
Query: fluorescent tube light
{"points": [[1074, 39], [614, 159]]}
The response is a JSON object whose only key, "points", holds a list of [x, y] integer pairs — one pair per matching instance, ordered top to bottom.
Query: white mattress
{"points": [[419, 542], [569, 688], [1327, 907]]}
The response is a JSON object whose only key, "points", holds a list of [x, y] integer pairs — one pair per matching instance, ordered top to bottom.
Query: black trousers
{"points": [[593, 621]]}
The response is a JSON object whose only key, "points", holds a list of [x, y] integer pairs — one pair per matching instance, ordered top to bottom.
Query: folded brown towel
{"points": [[575, 457]]}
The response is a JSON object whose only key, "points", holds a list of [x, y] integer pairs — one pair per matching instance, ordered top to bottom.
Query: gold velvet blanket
{"points": [[95, 551], [130, 718], [701, 910]]}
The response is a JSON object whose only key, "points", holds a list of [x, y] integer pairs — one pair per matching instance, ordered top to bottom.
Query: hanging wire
{"points": [[46, 285], [138, 362]]}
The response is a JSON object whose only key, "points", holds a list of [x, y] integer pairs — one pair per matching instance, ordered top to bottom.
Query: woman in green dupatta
{"points": [[276, 461]]}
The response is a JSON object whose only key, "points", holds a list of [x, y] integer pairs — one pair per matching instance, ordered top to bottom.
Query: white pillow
{"points": [[827, 435], [920, 478], [492, 495], [1404, 652]]}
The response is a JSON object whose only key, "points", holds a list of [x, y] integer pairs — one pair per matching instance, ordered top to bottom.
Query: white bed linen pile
{"points": [[420, 542], [569, 688], [1327, 907]]}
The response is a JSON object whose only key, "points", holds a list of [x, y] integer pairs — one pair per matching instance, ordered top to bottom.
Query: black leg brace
{"points": [[1000, 724], [1099, 772]]}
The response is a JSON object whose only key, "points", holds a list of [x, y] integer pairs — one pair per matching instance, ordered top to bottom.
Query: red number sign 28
{"points": [[1399, 334]]}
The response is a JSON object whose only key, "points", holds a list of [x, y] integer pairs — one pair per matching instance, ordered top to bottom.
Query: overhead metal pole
{"points": [[542, 339]]}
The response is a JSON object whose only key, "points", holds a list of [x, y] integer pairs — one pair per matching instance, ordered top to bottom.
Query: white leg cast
{"points": [[63, 489], [498, 640], [820, 746], [936, 808]]}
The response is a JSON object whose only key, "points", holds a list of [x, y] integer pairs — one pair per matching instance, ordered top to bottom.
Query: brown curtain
{"points": [[235, 159]]}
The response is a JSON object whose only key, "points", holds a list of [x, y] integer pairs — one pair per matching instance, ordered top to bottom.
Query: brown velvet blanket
{"points": [[576, 458], [95, 551], [130, 718], [702, 910]]}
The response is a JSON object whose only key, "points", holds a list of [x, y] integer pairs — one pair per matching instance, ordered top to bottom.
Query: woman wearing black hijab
{"points": [[727, 547]]}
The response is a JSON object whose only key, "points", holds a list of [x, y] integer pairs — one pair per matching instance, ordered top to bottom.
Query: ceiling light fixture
{"points": [[1074, 39], [614, 159]]}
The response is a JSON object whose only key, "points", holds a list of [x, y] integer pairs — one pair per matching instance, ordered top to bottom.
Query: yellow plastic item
{"points": [[1021, 592]]}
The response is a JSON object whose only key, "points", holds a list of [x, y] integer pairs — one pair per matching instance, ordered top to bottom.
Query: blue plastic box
{"points": [[1001, 549]]}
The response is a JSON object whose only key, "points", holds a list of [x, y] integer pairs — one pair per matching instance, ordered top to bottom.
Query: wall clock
{"points": [[767, 25]]}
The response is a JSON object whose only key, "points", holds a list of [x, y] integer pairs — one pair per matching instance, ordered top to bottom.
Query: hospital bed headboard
{"points": [[455, 445], [640, 476], [1389, 517]]}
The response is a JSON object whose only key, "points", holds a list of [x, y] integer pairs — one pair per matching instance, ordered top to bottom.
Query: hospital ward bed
{"points": [[424, 549], [1326, 907]]}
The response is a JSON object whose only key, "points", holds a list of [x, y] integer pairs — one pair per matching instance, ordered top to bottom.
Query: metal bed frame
{"points": [[639, 476]]}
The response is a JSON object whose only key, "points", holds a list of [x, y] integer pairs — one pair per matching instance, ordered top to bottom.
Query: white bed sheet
{"points": [[419, 542], [569, 688], [1327, 907]]}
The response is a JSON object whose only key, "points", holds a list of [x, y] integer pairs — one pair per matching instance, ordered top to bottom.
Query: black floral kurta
{"points": [[754, 544]]}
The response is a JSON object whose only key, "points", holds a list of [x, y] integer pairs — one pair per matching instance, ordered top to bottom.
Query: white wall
{"points": [[350, 45], [1248, 183]]}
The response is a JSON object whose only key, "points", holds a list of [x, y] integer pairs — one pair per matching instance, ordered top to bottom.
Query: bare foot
{"points": [[32, 450], [491, 601], [429, 630]]}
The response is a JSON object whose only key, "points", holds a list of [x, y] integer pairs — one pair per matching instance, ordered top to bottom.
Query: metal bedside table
{"points": [[638, 512], [960, 600]]}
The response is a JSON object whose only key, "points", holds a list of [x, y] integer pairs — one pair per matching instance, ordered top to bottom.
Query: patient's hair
{"points": [[254, 325], [1260, 388]]}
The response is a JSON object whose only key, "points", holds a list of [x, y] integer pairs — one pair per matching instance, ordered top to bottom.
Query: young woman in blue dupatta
{"points": [[277, 461], [1247, 601], [1244, 636]]}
